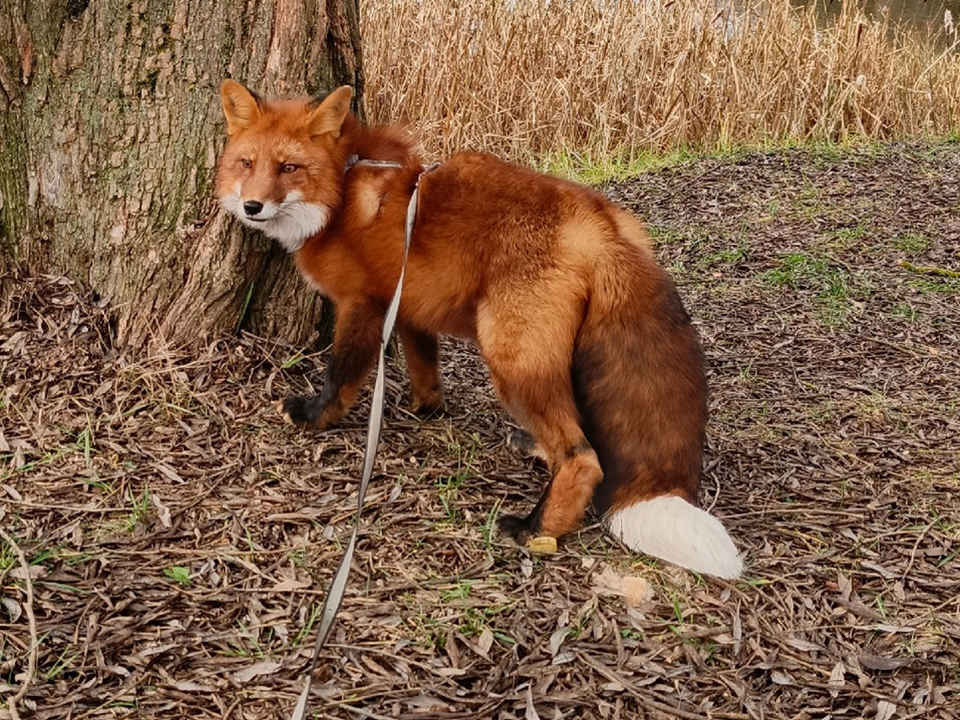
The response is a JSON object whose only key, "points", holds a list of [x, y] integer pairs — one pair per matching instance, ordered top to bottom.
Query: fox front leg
{"points": [[355, 345], [422, 351]]}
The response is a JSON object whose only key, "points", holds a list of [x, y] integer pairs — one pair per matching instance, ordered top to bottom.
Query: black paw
{"points": [[428, 403], [302, 411], [428, 412], [516, 528]]}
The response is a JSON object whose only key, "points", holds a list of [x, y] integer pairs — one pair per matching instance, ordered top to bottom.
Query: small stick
{"points": [[929, 270], [716, 494], [913, 553], [34, 642]]}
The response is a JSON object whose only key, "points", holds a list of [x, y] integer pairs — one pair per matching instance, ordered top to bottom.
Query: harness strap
{"points": [[355, 160], [339, 585]]}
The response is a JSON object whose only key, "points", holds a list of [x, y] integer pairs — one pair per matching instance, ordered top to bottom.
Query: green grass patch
{"points": [[589, 169], [807, 203], [666, 236], [851, 236], [912, 243], [727, 257], [798, 269], [804, 271], [938, 285], [905, 311], [292, 361], [449, 487], [140, 508], [489, 529], [7, 557], [460, 591], [316, 609], [246, 643], [62, 664]]}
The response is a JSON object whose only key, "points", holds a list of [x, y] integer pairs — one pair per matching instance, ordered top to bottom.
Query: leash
{"points": [[339, 584]]}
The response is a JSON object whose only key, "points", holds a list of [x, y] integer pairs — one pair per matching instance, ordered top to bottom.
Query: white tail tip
{"points": [[672, 529]]}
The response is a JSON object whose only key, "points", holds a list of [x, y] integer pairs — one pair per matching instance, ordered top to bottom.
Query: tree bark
{"points": [[111, 129]]}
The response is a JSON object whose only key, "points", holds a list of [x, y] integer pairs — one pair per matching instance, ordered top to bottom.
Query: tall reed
{"points": [[531, 78]]}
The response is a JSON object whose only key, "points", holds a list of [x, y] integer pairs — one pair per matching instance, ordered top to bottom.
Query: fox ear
{"points": [[240, 106], [330, 113]]}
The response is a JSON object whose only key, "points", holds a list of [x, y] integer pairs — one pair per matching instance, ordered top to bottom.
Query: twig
{"points": [[929, 270], [894, 346], [716, 494], [72, 508], [913, 553], [32, 620], [643, 698], [365, 713]]}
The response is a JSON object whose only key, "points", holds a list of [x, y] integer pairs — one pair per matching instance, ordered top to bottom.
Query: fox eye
{"points": [[246, 162], [289, 168]]}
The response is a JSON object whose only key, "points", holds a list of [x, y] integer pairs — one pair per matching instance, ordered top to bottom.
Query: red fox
{"points": [[588, 344]]}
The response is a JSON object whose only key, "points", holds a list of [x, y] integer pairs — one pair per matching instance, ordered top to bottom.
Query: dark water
{"points": [[927, 15]]}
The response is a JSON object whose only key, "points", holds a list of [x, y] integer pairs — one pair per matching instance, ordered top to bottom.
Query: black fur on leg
{"points": [[354, 351], [303, 411], [306, 411], [426, 412], [524, 444], [514, 527], [521, 529]]}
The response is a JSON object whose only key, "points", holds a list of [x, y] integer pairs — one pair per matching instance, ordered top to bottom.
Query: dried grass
{"points": [[535, 78]]}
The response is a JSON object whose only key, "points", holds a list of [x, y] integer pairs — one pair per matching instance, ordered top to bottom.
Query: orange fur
{"points": [[587, 341]]}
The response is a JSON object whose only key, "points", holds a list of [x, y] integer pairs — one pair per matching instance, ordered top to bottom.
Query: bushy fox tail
{"points": [[638, 375], [670, 528]]}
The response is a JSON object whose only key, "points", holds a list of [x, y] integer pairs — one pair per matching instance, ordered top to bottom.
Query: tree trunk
{"points": [[111, 129]]}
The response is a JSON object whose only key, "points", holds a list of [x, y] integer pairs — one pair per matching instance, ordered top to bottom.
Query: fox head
{"points": [[276, 170]]}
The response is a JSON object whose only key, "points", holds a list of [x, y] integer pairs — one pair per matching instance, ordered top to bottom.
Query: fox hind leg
{"points": [[528, 350], [563, 504]]}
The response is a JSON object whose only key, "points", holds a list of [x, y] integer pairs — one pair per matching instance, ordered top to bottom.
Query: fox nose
{"points": [[252, 207]]}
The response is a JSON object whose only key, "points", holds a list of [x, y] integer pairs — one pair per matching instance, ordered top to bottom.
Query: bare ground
{"points": [[180, 538]]}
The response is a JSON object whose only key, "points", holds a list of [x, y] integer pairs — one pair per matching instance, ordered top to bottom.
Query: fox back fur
{"points": [[587, 341]]}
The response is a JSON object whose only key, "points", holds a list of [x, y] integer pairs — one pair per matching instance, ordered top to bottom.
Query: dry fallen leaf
{"points": [[163, 512], [36, 572], [289, 585], [634, 589], [13, 608], [557, 638], [485, 641], [875, 662], [267, 667], [780, 677], [837, 681], [427, 704], [885, 710], [531, 711]]}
